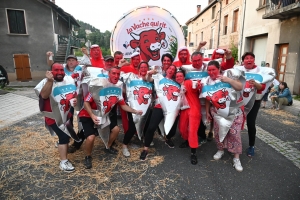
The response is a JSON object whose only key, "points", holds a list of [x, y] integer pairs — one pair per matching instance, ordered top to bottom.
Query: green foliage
{"points": [[185, 31], [173, 45], [234, 51], [297, 97]]}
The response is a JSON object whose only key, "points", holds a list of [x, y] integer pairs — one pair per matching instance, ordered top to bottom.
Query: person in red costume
{"points": [[221, 53], [96, 56], [183, 56], [134, 63], [190, 118]]}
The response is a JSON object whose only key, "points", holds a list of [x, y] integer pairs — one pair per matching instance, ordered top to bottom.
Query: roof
{"points": [[200, 13], [64, 14]]}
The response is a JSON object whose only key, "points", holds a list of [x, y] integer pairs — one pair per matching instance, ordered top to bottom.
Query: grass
{"points": [[297, 97]]}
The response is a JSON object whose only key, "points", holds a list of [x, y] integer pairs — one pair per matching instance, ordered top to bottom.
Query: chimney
{"points": [[198, 9]]}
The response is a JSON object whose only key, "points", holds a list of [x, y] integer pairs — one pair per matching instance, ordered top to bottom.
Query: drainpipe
{"points": [[220, 1], [242, 34]]}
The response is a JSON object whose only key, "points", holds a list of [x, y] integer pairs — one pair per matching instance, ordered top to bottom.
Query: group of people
{"points": [[189, 93]]}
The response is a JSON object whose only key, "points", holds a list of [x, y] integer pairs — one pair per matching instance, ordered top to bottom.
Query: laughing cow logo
{"points": [[149, 42], [75, 76], [248, 89], [171, 91], [142, 95], [218, 99], [65, 101], [109, 103]]}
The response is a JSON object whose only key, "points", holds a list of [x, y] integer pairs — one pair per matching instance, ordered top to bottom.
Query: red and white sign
{"points": [[150, 30]]}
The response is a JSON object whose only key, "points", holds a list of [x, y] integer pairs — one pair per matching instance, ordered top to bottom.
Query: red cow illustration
{"points": [[149, 42], [75, 76], [247, 89], [171, 91], [142, 94], [218, 99], [65, 102], [109, 103]]}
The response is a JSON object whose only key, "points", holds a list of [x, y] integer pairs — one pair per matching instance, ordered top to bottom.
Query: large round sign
{"points": [[149, 30]]}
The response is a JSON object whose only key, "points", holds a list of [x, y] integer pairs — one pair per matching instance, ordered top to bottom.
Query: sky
{"points": [[104, 14]]}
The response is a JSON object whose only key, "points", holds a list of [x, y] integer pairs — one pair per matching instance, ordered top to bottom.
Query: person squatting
{"points": [[189, 93]]}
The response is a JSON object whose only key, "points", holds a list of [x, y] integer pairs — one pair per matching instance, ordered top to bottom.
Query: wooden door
{"points": [[282, 58], [22, 67]]}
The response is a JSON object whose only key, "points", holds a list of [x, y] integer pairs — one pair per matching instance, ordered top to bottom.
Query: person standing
{"points": [[258, 80]]}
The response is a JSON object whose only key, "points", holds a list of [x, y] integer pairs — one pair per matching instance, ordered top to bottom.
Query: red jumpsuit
{"points": [[190, 118]]}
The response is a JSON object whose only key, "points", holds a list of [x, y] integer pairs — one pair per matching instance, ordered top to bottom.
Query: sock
{"points": [[63, 161]]}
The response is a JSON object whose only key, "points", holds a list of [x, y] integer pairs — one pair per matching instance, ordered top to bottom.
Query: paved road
{"points": [[29, 167]]}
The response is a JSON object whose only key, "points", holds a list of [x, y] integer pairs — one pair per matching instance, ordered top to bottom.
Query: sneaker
{"points": [[210, 136], [201, 141], [169, 143], [152, 144], [185, 144], [71, 149], [111, 150], [125, 151], [250, 151], [143, 155], [218, 155], [194, 160], [88, 162], [237, 164], [66, 166]]}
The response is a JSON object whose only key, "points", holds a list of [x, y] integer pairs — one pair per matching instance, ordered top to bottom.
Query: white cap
{"points": [[182, 48], [220, 51], [134, 54]]}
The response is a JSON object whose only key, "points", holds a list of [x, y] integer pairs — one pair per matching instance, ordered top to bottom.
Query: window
{"points": [[226, 2], [213, 12], [235, 20], [16, 21], [225, 24], [201, 36], [189, 37], [196, 39]]}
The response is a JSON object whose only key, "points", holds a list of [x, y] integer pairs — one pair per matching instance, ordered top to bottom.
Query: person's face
{"points": [[95, 52], [218, 55], [183, 56], [117, 58], [135, 61], [197, 61], [249, 62], [72, 63], [166, 63], [109, 64], [267, 65], [143, 69], [170, 71], [58, 72], [213, 72], [114, 75], [179, 77], [281, 86]]}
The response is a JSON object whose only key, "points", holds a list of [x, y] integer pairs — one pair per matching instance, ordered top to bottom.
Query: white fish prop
{"points": [[139, 96], [169, 96], [226, 101], [60, 102]]}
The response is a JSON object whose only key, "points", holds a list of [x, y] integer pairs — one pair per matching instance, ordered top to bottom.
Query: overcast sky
{"points": [[104, 14]]}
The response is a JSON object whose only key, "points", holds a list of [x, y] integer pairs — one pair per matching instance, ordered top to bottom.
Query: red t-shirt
{"points": [[89, 98]]}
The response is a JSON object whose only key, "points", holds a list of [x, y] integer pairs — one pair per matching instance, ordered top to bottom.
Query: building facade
{"points": [[28, 29]]}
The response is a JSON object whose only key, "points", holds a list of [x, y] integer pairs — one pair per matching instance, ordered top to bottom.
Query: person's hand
{"points": [[202, 43], [49, 53], [228, 53], [123, 62], [151, 72], [49, 76], [224, 79], [252, 82], [73, 102], [138, 112], [208, 118], [95, 119]]}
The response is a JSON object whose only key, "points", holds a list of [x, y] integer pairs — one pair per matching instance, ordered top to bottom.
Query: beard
{"points": [[59, 78]]}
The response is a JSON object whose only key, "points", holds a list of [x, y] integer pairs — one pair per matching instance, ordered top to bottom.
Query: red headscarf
{"points": [[99, 62], [226, 64]]}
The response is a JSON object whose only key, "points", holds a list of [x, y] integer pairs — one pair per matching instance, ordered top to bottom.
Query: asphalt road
{"points": [[29, 168]]}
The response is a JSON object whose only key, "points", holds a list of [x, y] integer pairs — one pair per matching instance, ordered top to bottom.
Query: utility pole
{"points": [[219, 31]]}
